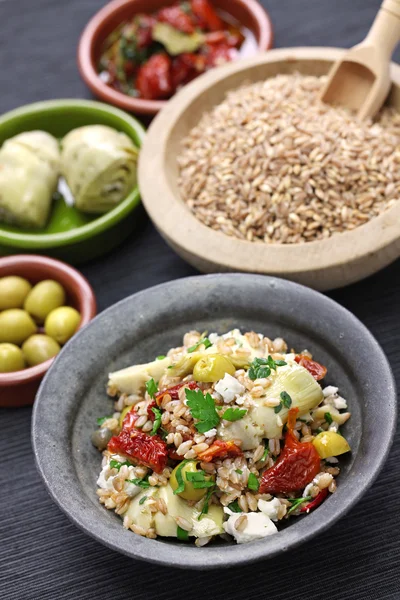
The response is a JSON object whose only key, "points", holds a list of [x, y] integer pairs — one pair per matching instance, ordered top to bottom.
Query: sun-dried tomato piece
{"points": [[206, 14], [175, 16], [220, 54], [186, 67], [154, 78], [317, 371], [174, 391], [150, 407], [130, 419], [141, 448], [220, 449], [297, 465], [316, 502]]}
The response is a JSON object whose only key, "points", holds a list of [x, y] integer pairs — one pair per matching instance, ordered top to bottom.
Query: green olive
{"points": [[13, 291], [43, 298], [62, 323], [15, 326], [39, 348], [11, 358], [212, 368], [124, 413], [190, 492]]}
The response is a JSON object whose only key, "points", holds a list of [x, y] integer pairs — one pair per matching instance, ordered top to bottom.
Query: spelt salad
{"points": [[228, 435]]}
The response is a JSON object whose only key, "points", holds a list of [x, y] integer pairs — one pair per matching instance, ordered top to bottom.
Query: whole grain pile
{"points": [[273, 164]]}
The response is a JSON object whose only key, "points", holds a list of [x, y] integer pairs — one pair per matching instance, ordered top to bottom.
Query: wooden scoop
{"points": [[361, 80]]}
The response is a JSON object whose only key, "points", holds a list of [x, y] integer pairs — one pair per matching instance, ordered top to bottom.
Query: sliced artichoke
{"points": [[175, 41], [99, 165], [29, 170], [132, 380], [262, 421]]}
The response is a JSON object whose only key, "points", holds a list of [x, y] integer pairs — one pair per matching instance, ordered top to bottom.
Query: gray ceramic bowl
{"points": [[142, 326]]}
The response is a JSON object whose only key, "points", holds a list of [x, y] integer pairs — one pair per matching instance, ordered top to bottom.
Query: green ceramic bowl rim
{"points": [[49, 240]]}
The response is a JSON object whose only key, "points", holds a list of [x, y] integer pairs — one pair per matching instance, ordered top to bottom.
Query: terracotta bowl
{"points": [[248, 12], [19, 388]]}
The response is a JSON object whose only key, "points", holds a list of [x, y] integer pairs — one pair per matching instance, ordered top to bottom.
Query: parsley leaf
{"points": [[204, 341], [161, 357], [261, 368], [151, 387], [286, 400], [278, 408], [203, 409], [234, 414], [328, 418], [101, 420], [157, 421], [265, 454], [115, 464], [239, 471], [179, 478], [198, 480], [143, 483], [253, 483], [143, 500], [296, 502], [206, 503], [234, 507], [182, 534]]}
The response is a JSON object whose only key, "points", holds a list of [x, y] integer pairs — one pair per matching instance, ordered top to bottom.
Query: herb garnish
{"points": [[202, 341], [161, 357], [262, 367], [151, 387], [286, 401], [203, 409], [234, 414], [328, 418], [101, 420], [157, 421], [265, 454], [115, 464], [239, 471], [179, 478], [198, 480], [143, 483], [253, 483], [143, 500], [296, 502], [206, 504], [234, 507], [182, 534]]}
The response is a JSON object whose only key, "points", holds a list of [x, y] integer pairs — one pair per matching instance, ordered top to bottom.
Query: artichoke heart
{"points": [[100, 166], [29, 170], [132, 380], [262, 421]]}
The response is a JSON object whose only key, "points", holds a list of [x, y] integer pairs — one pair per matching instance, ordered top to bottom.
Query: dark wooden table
{"points": [[42, 555]]}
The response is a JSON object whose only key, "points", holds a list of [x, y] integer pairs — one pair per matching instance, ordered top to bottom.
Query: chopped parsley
{"points": [[202, 341], [161, 357], [262, 367], [151, 387], [286, 401], [202, 408], [234, 414], [328, 418], [101, 420], [157, 421], [265, 454], [115, 464], [239, 471], [179, 478], [198, 480], [143, 483], [253, 483], [143, 500], [296, 502], [206, 503], [234, 507], [182, 534]]}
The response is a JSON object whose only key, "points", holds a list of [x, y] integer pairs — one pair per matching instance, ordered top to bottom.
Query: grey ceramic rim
{"points": [[285, 302]]}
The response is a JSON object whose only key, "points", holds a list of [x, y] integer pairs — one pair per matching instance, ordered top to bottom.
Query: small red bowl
{"points": [[247, 12], [19, 387]]}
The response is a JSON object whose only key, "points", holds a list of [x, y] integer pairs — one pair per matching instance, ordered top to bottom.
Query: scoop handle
{"points": [[384, 34]]}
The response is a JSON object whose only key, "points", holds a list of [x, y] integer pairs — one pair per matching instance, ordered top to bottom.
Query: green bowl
{"points": [[69, 234]]}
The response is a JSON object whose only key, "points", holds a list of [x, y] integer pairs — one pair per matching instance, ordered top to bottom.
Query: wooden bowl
{"points": [[248, 12], [337, 261], [19, 387]]}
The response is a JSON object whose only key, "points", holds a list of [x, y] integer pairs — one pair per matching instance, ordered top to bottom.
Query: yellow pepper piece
{"points": [[330, 443]]}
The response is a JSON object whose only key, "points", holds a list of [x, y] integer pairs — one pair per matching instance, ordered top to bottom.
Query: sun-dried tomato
{"points": [[206, 15], [175, 16], [144, 37], [219, 54], [186, 67], [154, 78], [317, 371], [174, 391], [150, 407], [130, 419], [141, 448], [220, 449], [297, 465], [316, 502]]}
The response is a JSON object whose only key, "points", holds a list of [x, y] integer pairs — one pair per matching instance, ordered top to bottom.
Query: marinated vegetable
{"points": [[154, 55], [99, 165], [13, 291], [44, 297], [39, 348], [11, 358], [226, 434]]}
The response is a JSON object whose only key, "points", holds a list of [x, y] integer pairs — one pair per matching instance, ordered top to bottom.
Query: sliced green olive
{"points": [[13, 291], [15, 326], [11, 358], [212, 368], [124, 413], [190, 492]]}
